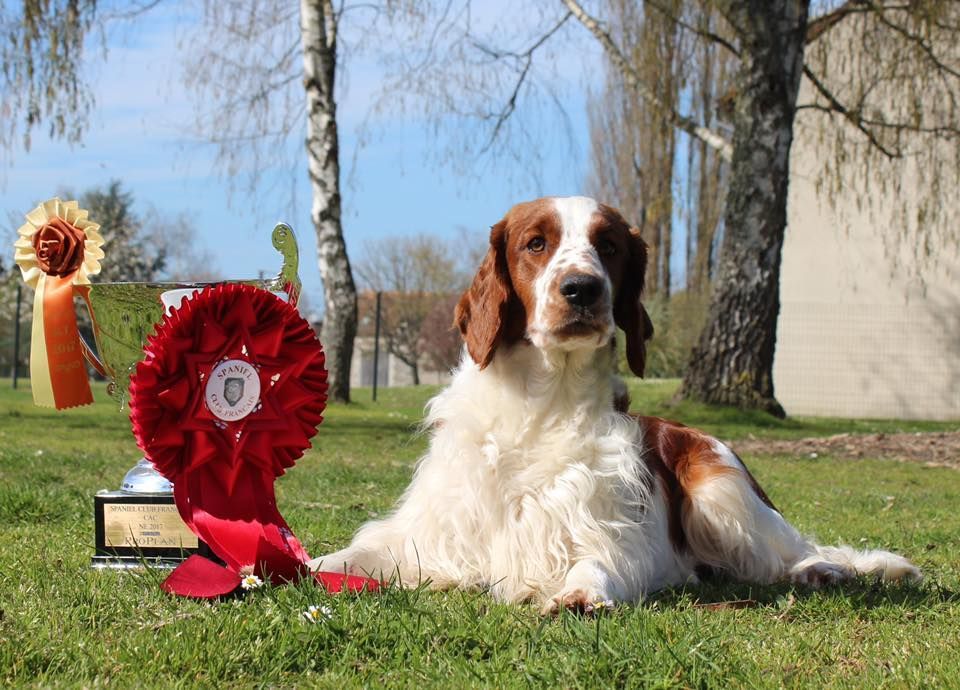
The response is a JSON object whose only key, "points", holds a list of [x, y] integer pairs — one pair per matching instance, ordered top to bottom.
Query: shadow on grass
{"points": [[718, 593]]}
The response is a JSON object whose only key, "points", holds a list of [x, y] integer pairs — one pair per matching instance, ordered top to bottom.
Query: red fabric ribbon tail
{"points": [[225, 521], [242, 527], [200, 578], [339, 582]]}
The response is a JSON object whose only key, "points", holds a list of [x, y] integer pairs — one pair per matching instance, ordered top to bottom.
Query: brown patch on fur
{"points": [[627, 269], [493, 311], [681, 458]]}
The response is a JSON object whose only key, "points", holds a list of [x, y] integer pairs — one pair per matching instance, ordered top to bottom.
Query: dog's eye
{"points": [[536, 245], [606, 248]]}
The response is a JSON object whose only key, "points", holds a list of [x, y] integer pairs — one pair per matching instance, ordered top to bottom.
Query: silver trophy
{"points": [[139, 523]]}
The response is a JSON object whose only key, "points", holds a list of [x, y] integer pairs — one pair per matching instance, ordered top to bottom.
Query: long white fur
{"points": [[530, 472], [535, 487]]}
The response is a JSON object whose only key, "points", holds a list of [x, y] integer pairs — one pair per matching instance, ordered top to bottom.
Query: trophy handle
{"points": [[288, 280], [89, 353], [91, 357]]}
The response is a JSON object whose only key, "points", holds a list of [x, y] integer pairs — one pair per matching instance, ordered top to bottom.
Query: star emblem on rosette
{"points": [[182, 429]]}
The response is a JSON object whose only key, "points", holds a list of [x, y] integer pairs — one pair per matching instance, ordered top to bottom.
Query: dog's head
{"points": [[560, 273]]}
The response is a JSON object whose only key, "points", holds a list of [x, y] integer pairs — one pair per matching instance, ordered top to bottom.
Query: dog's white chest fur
{"points": [[523, 465]]}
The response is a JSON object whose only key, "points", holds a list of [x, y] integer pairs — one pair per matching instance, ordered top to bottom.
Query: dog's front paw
{"points": [[821, 573], [580, 601]]}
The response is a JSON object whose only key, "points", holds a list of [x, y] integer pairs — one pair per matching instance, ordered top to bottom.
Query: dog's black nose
{"points": [[581, 290]]}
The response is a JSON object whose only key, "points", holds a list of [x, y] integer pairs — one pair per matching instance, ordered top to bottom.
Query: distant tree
{"points": [[633, 149], [635, 153], [177, 239], [128, 256], [416, 274], [9, 279], [440, 342]]}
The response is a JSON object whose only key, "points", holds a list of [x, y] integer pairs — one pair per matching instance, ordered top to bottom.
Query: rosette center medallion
{"points": [[233, 390]]}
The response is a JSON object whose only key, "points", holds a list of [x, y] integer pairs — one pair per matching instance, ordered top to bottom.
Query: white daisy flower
{"points": [[251, 581], [600, 605], [315, 614]]}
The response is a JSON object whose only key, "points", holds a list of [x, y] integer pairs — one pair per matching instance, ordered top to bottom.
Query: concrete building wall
{"points": [[860, 334], [392, 370]]}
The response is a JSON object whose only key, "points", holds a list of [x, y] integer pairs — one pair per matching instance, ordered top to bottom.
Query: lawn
{"points": [[64, 624]]}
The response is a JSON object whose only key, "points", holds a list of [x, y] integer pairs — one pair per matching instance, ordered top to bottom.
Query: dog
{"points": [[537, 484]]}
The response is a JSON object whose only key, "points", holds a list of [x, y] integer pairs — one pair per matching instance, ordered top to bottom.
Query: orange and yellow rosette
{"points": [[58, 248]]}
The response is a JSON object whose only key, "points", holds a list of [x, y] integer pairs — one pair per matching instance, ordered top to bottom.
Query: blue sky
{"points": [[140, 134]]}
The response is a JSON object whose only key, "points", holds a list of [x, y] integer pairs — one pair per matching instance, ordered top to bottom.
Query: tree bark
{"points": [[318, 34], [733, 362]]}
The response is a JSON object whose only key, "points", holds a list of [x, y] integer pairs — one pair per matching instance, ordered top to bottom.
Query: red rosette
{"points": [[231, 390]]}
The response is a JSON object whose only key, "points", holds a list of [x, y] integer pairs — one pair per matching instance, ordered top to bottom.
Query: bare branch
{"points": [[133, 11], [818, 26], [702, 33], [915, 39], [526, 57], [851, 116], [687, 124]]}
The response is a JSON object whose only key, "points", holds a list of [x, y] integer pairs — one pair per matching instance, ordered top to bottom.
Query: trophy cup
{"points": [[58, 249]]}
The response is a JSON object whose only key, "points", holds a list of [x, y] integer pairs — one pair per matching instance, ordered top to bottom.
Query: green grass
{"points": [[62, 624]]}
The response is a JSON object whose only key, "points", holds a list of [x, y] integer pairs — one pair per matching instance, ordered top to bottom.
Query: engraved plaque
{"points": [[146, 525], [136, 530]]}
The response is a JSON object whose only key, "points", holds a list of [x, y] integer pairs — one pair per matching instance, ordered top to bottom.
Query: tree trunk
{"points": [[318, 35], [733, 362]]}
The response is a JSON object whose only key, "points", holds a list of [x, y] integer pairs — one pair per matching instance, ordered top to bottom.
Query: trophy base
{"points": [[141, 531]]}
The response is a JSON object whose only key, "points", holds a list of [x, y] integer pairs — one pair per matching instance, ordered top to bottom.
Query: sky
{"points": [[140, 134]]}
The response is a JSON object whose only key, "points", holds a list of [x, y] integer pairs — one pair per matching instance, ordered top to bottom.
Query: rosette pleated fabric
{"points": [[58, 247], [231, 390]]}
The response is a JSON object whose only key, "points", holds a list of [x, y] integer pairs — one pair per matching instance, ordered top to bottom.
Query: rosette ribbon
{"points": [[58, 247], [231, 390]]}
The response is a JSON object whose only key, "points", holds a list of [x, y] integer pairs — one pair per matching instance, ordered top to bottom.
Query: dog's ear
{"points": [[628, 312], [481, 314]]}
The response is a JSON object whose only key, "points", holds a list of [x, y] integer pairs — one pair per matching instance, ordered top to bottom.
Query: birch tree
{"points": [[318, 31], [270, 77]]}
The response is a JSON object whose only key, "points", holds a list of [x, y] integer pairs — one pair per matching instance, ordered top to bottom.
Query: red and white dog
{"points": [[537, 484]]}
